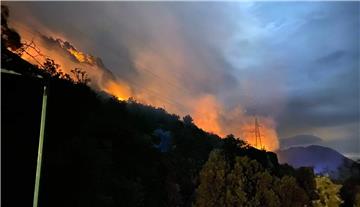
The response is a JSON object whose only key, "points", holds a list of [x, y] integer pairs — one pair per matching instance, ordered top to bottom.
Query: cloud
{"points": [[332, 57], [300, 140]]}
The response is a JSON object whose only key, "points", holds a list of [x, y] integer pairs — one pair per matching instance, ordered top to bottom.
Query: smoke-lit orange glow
{"points": [[28, 57], [159, 87], [120, 91], [206, 115], [210, 116], [268, 135]]}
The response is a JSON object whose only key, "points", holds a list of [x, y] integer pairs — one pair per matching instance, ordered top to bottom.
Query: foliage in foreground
{"points": [[246, 183], [328, 192], [350, 192]]}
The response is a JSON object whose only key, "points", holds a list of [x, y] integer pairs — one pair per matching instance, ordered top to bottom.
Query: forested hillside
{"points": [[101, 151]]}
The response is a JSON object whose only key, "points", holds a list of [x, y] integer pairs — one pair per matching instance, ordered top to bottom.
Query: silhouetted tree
{"points": [[9, 37], [51, 67], [80, 76], [188, 120], [232, 147], [306, 178], [246, 183], [212, 189], [350, 192], [265, 193], [290, 194]]}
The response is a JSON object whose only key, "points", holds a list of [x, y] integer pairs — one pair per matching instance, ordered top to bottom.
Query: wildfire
{"points": [[80, 56], [120, 91], [208, 113], [210, 116], [267, 134]]}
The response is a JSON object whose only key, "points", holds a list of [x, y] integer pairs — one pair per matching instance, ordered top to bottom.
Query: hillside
{"points": [[98, 151], [324, 160]]}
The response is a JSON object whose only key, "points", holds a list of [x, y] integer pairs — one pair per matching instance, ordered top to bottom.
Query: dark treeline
{"points": [[99, 151]]}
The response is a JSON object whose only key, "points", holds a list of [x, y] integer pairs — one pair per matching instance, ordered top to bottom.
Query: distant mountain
{"points": [[299, 140], [324, 160]]}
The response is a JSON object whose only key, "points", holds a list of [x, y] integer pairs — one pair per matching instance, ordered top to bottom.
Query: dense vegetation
{"points": [[100, 151]]}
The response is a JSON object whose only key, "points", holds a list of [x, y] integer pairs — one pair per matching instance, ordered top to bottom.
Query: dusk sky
{"points": [[294, 65]]}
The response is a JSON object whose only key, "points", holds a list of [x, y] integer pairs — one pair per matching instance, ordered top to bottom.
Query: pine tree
{"points": [[212, 188]]}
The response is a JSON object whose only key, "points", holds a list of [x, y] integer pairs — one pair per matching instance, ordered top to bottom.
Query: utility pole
{"points": [[41, 137], [40, 148]]}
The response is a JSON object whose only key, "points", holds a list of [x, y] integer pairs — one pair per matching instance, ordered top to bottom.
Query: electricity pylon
{"points": [[257, 135]]}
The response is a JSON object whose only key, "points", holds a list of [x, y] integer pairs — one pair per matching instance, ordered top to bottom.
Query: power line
{"points": [[144, 69], [166, 81], [167, 99]]}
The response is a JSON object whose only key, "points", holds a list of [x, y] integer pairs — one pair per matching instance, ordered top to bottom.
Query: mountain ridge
{"points": [[324, 160]]}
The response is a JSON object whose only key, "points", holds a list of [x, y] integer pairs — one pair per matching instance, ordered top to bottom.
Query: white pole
{"points": [[40, 148]]}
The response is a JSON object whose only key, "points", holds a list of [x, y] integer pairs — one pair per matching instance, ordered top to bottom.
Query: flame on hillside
{"points": [[69, 57], [119, 90], [208, 113], [211, 116], [268, 136]]}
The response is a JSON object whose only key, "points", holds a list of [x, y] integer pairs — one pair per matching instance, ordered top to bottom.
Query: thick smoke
{"points": [[68, 57], [177, 60], [212, 116]]}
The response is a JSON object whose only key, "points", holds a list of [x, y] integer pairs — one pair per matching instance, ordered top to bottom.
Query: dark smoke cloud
{"points": [[296, 62]]}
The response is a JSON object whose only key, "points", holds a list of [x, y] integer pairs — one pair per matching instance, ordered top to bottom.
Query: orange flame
{"points": [[80, 56], [119, 90], [206, 111], [206, 115], [210, 116], [268, 136]]}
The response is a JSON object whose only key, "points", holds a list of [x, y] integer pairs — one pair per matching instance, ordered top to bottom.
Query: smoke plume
{"points": [[161, 56]]}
